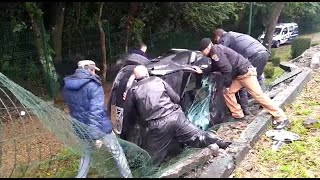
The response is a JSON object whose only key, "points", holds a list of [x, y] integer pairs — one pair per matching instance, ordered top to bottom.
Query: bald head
{"points": [[140, 72]]}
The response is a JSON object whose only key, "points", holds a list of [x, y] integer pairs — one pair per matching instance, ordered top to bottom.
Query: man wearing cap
{"points": [[249, 48], [238, 72], [84, 95], [163, 119]]}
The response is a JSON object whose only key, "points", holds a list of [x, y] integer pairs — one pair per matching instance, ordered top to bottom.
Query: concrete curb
{"points": [[223, 167]]}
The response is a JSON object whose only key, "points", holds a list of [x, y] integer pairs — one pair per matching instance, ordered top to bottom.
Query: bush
{"points": [[299, 46], [272, 55], [275, 61], [268, 71]]}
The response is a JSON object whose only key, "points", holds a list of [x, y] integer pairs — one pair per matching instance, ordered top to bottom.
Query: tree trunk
{"points": [[133, 7], [274, 13], [57, 29], [103, 44], [42, 47]]}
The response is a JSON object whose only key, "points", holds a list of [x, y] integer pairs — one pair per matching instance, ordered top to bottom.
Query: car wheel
{"points": [[277, 44]]}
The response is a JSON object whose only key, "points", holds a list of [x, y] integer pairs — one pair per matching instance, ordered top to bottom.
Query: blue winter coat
{"points": [[84, 95]]}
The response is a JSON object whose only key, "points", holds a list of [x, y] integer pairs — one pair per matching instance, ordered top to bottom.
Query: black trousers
{"points": [[259, 61], [164, 137]]}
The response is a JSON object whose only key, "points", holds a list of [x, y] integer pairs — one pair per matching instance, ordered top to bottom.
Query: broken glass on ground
{"points": [[281, 137]]}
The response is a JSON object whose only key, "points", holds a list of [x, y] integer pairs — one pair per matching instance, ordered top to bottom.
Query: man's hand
{"points": [[198, 70], [226, 90], [124, 95], [99, 143]]}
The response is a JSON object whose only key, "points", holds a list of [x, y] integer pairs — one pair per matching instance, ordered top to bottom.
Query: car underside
{"points": [[201, 95]]}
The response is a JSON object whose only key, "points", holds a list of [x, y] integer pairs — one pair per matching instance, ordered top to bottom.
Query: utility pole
{"points": [[250, 18]]}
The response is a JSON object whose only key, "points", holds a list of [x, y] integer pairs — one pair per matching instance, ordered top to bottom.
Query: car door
{"points": [[285, 35]]}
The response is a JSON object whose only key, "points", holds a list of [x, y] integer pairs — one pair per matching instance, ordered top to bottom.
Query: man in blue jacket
{"points": [[84, 95]]}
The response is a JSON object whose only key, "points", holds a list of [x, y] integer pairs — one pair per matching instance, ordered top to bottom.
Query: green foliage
{"points": [[34, 10], [306, 14], [207, 15], [137, 30], [299, 46], [273, 54], [275, 61], [268, 71]]}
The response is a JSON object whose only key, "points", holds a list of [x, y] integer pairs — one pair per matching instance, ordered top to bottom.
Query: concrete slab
{"points": [[287, 66], [285, 77]]}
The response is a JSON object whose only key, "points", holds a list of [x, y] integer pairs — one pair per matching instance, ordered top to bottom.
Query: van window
{"points": [[290, 28], [296, 29], [277, 31], [285, 31]]}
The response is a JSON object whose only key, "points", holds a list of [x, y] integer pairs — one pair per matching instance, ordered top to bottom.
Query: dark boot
{"points": [[242, 97]]}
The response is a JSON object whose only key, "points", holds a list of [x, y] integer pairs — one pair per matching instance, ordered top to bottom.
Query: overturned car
{"points": [[201, 95]]}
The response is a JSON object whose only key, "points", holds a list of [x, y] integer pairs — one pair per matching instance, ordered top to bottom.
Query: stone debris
{"points": [[315, 61], [309, 122]]}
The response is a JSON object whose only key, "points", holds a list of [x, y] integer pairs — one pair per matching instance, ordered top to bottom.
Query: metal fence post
{"points": [[250, 19], [170, 40], [109, 41], [151, 44]]}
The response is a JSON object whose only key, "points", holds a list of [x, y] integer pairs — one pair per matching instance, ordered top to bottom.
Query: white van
{"points": [[284, 33]]}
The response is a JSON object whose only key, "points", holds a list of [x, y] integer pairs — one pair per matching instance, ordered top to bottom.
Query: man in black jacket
{"points": [[249, 48], [141, 50], [238, 72], [163, 119]]}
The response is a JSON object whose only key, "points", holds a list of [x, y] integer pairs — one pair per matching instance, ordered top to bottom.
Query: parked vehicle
{"points": [[284, 33]]}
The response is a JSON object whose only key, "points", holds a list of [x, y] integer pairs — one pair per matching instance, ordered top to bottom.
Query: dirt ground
{"points": [[24, 142]]}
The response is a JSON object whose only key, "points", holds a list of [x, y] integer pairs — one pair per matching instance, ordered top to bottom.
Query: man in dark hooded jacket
{"points": [[249, 48], [141, 50], [84, 95], [163, 119]]}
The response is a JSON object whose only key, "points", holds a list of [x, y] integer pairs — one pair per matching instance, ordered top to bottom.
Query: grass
{"points": [[277, 73], [297, 159]]}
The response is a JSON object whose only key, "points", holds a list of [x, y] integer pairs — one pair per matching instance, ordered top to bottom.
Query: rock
{"points": [[315, 61], [309, 122], [214, 147]]}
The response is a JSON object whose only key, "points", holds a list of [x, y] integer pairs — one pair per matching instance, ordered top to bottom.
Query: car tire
{"points": [[277, 44]]}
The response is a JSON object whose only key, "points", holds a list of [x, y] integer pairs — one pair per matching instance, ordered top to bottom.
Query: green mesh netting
{"points": [[199, 113], [34, 135], [39, 140]]}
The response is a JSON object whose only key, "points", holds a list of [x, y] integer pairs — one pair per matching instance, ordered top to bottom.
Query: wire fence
{"points": [[19, 56]]}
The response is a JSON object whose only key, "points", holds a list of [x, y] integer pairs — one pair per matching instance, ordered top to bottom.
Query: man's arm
{"points": [[225, 40], [225, 68], [129, 85], [173, 95], [96, 108]]}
